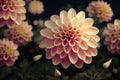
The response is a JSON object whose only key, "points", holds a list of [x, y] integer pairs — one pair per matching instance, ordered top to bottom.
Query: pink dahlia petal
{"points": [[74, 39], [59, 49], [48, 54], [63, 55], [73, 57], [56, 60], [88, 60], [65, 62], [79, 64]]}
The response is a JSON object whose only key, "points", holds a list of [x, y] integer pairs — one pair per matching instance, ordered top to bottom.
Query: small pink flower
{"points": [[36, 7], [101, 9], [11, 12], [20, 34], [112, 36], [70, 38], [8, 52]]}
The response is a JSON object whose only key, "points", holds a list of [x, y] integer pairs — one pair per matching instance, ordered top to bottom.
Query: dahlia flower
{"points": [[36, 7], [101, 9], [11, 12], [20, 34], [112, 36], [70, 38], [8, 52]]}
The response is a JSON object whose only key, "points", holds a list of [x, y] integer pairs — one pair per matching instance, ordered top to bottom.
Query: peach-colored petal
{"points": [[71, 13], [50, 24], [47, 33], [46, 43], [92, 43], [83, 45], [81, 55], [88, 60]]}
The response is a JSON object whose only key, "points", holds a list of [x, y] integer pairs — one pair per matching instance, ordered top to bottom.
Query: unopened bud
{"points": [[37, 57], [107, 64], [57, 73]]}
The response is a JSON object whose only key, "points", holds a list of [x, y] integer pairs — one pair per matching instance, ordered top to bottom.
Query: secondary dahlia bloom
{"points": [[36, 7], [101, 9], [11, 12], [21, 34], [112, 36], [70, 38], [8, 52]]}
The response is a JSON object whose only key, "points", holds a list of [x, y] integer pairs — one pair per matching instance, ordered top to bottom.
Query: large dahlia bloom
{"points": [[36, 7], [101, 9], [11, 12], [20, 34], [112, 36], [70, 38], [8, 52]]}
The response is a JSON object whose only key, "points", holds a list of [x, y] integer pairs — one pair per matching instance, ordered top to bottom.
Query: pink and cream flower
{"points": [[36, 7], [101, 9], [11, 12], [21, 34], [112, 36], [70, 38], [8, 52]]}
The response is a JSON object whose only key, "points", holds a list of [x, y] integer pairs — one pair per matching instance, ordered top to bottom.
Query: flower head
{"points": [[36, 7], [101, 9], [11, 12], [20, 34], [112, 36], [70, 38], [8, 52]]}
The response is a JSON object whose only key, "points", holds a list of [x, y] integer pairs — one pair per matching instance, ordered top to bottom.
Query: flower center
{"points": [[36, 5], [104, 9], [20, 30], [70, 33], [8, 50]]}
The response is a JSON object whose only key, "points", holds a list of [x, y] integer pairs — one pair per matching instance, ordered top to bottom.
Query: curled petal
{"points": [[71, 13], [47, 33], [73, 57], [56, 60], [65, 62], [79, 64]]}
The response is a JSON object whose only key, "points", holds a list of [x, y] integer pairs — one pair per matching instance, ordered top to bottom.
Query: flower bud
{"points": [[37, 57], [107, 64], [57, 73]]}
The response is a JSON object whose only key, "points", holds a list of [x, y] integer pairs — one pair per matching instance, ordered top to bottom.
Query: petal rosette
{"points": [[69, 37]]}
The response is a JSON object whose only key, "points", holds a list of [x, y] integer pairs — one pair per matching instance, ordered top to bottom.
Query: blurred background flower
{"points": [[36, 7], [101, 9], [12, 12], [21, 34], [112, 36], [8, 52]]}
